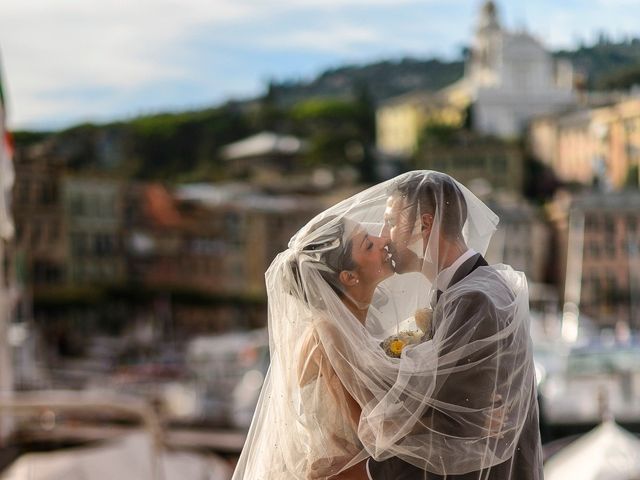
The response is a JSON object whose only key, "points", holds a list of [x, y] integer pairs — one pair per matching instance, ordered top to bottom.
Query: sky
{"points": [[70, 61]]}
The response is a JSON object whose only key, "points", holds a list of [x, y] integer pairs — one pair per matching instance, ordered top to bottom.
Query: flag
{"points": [[7, 174]]}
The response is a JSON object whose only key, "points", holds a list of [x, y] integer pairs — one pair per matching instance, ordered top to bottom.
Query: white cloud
{"points": [[341, 39], [62, 45], [54, 46]]}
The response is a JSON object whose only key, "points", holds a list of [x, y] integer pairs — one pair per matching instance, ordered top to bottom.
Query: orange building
{"points": [[591, 144]]}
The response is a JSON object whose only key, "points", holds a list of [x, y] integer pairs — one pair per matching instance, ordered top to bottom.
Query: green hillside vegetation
{"points": [[603, 62], [623, 79], [383, 80], [334, 112]]}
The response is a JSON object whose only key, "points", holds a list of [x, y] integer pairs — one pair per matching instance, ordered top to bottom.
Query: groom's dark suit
{"points": [[456, 389]]}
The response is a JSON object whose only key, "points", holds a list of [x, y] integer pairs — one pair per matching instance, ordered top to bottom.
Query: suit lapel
{"points": [[465, 269]]}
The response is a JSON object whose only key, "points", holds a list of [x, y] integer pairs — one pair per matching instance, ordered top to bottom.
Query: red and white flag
{"points": [[7, 174]]}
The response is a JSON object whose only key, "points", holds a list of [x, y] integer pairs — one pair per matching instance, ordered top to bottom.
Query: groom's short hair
{"points": [[433, 191]]}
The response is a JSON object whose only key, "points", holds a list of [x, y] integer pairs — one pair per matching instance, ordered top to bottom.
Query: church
{"points": [[509, 78]]}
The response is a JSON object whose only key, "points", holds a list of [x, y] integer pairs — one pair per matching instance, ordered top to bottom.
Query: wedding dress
{"points": [[325, 409]]}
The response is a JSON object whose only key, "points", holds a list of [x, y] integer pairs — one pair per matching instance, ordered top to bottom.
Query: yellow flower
{"points": [[394, 344], [396, 347]]}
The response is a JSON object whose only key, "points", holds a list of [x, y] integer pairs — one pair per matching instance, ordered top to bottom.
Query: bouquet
{"points": [[394, 344]]}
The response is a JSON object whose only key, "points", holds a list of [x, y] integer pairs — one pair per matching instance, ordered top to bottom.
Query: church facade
{"points": [[509, 78]]}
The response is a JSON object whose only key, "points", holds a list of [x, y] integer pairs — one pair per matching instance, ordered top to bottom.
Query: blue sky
{"points": [[66, 61]]}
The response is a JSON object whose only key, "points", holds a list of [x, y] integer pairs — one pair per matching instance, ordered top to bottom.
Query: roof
{"points": [[262, 144], [212, 194], [243, 197], [619, 201], [159, 206]]}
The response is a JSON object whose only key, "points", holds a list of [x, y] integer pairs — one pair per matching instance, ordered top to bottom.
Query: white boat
{"points": [[594, 380], [607, 452], [131, 453], [132, 457]]}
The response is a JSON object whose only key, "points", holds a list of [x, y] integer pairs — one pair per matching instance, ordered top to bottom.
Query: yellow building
{"points": [[400, 121], [619, 139], [501, 164]]}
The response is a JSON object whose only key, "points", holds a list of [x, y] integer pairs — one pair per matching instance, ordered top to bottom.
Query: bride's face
{"points": [[399, 228], [372, 258]]}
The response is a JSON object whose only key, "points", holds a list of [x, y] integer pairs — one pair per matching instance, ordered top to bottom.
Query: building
{"points": [[509, 78], [400, 121], [617, 129], [566, 144], [599, 144], [264, 156], [499, 163], [37, 205], [93, 213], [153, 229], [251, 229], [523, 238], [602, 245]]}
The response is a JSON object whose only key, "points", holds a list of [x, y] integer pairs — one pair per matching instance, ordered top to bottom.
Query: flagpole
{"points": [[7, 174], [6, 361]]}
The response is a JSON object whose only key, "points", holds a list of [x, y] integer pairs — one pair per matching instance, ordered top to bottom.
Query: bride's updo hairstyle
{"points": [[327, 247]]}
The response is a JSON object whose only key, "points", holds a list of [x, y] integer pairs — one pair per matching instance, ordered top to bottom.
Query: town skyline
{"points": [[65, 63]]}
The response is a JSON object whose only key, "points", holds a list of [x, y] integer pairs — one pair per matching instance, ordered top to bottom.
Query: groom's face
{"points": [[399, 228]]}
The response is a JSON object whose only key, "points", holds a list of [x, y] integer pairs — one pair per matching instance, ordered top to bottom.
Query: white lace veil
{"points": [[453, 403]]}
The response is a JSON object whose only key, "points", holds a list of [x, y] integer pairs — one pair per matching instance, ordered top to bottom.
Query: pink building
{"points": [[603, 257]]}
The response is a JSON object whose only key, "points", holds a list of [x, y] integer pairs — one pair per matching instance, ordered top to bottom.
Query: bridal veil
{"points": [[453, 403]]}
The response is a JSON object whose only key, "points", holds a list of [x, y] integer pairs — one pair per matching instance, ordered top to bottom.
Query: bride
{"points": [[351, 262], [356, 262], [334, 398]]}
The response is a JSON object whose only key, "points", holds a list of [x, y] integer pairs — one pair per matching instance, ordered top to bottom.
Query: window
{"points": [[22, 192], [48, 193], [77, 205], [609, 224], [36, 234], [78, 243], [102, 244], [610, 247]]}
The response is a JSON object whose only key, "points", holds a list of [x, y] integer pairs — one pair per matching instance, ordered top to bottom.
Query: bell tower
{"points": [[483, 65]]}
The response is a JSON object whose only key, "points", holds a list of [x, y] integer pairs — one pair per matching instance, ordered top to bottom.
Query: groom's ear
{"points": [[426, 219], [348, 278]]}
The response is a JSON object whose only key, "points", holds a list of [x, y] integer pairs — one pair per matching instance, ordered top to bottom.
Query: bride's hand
{"points": [[329, 467], [326, 468]]}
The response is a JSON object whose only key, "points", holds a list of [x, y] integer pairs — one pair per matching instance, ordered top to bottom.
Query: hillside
{"points": [[600, 64], [606, 64], [383, 80], [331, 111]]}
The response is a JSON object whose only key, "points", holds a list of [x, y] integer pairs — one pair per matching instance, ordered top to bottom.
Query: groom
{"points": [[424, 220]]}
